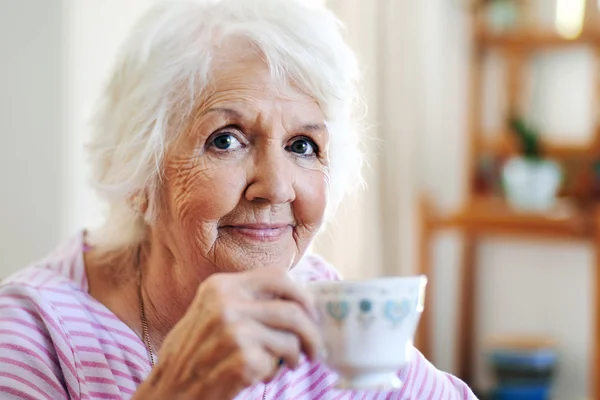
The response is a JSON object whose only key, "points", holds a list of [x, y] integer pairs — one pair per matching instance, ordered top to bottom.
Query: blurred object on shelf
{"points": [[502, 15], [566, 18], [486, 175], [531, 182], [523, 367], [522, 393]]}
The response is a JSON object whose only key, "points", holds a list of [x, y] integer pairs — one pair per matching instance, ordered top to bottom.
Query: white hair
{"points": [[162, 70]]}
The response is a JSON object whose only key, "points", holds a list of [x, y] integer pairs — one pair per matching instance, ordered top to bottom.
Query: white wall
{"points": [[95, 30], [55, 56], [31, 127]]}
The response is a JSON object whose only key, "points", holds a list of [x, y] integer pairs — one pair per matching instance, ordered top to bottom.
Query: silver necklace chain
{"points": [[145, 333]]}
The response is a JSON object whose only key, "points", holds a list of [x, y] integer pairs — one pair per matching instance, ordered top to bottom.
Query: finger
{"points": [[271, 283], [288, 316], [281, 344], [212, 349], [276, 367], [243, 369]]}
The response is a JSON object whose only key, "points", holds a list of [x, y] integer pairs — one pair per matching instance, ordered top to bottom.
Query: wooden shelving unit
{"points": [[532, 40], [502, 144], [492, 215], [575, 217]]}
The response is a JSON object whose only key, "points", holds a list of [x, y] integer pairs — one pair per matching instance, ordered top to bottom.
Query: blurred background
{"points": [[483, 168]]}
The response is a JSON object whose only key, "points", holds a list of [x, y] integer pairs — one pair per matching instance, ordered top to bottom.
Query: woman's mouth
{"points": [[259, 232]]}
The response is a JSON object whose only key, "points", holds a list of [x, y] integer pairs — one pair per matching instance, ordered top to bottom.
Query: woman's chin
{"points": [[246, 254]]}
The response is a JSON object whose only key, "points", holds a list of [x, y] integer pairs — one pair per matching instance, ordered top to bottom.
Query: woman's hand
{"points": [[233, 335]]}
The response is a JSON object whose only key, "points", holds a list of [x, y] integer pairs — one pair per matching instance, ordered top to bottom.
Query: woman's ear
{"points": [[139, 202]]}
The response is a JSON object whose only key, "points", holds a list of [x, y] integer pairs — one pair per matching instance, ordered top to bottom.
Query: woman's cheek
{"points": [[214, 192], [311, 198]]}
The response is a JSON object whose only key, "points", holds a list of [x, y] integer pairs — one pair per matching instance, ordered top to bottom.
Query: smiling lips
{"points": [[260, 232]]}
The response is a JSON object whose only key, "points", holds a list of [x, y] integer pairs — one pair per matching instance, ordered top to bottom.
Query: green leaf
{"points": [[528, 137]]}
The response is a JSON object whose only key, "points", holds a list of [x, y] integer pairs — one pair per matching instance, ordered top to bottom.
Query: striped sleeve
{"points": [[29, 363], [423, 381]]}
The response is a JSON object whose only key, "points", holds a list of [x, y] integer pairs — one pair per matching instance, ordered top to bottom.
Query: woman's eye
{"points": [[226, 141], [304, 147]]}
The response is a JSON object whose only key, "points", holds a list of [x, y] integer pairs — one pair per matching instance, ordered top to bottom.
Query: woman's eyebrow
{"points": [[229, 112], [234, 114], [312, 128]]}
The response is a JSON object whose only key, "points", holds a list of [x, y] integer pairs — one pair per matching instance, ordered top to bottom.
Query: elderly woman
{"points": [[222, 141]]}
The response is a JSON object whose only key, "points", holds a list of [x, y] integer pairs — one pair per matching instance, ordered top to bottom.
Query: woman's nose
{"points": [[272, 177]]}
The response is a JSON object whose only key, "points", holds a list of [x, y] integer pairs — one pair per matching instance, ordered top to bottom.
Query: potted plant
{"points": [[531, 181]]}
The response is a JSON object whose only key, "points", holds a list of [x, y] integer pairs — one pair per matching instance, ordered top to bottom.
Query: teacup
{"points": [[368, 328]]}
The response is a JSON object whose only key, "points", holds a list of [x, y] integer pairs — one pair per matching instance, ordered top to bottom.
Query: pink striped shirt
{"points": [[57, 342]]}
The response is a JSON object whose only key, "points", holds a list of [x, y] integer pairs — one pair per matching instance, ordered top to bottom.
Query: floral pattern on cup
{"points": [[338, 310], [396, 311], [365, 316]]}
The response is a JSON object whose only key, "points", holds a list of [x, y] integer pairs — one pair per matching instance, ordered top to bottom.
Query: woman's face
{"points": [[246, 185]]}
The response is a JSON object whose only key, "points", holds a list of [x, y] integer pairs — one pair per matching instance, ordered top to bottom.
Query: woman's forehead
{"points": [[240, 62], [251, 72], [248, 87]]}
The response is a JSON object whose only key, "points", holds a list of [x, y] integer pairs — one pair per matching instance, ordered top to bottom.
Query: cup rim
{"points": [[385, 280]]}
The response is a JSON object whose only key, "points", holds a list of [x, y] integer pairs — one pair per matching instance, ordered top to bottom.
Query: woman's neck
{"points": [[167, 287], [165, 298]]}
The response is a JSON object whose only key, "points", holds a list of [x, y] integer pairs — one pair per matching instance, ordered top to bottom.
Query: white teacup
{"points": [[368, 328]]}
